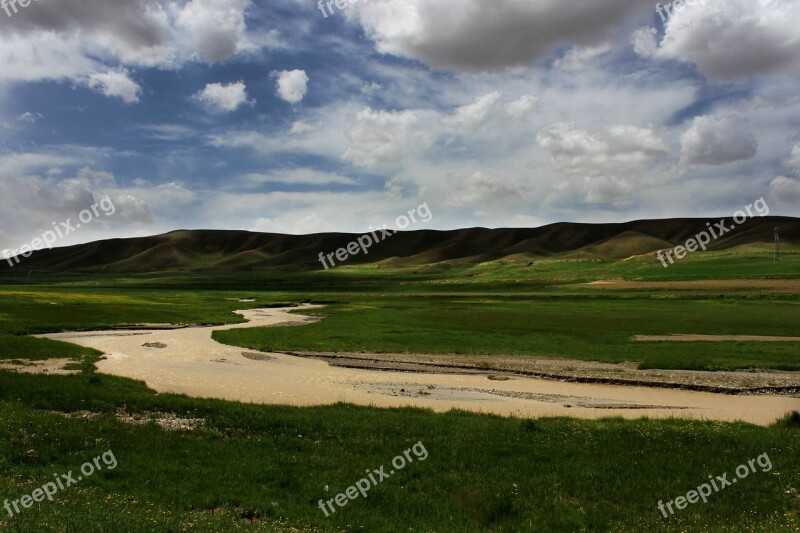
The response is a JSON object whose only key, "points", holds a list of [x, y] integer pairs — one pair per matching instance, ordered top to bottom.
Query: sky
{"points": [[290, 116]]}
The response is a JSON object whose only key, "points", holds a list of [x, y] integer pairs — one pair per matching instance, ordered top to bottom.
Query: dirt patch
{"points": [[680, 337], [159, 345], [258, 356], [223, 360], [53, 367], [168, 421]]}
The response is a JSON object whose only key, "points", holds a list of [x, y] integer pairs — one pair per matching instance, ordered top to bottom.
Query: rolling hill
{"points": [[226, 251]]}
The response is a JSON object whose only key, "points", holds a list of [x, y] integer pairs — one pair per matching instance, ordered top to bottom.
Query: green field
{"points": [[597, 328], [265, 468]]}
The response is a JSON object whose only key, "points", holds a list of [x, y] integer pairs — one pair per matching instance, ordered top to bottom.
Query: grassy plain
{"points": [[264, 468]]}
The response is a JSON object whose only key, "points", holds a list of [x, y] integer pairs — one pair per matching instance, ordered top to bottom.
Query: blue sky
{"points": [[268, 116]]}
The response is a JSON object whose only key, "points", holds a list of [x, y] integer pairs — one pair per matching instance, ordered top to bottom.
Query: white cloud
{"points": [[214, 27], [488, 35], [73, 39], [735, 39], [645, 41], [43, 56], [578, 57], [116, 83], [292, 85], [371, 88], [225, 97], [522, 106], [473, 115], [29, 117], [299, 127], [166, 132], [319, 134], [384, 137], [717, 141], [621, 148], [794, 160], [29, 163], [299, 176], [481, 190], [605, 190], [785, 190], [40, 199], [306, 225]]}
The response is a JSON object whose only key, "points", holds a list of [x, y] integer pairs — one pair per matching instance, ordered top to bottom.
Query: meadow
{"points": [[264, 468]]}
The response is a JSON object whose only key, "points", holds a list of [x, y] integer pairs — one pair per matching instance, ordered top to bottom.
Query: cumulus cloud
{"points": [[123, 28], [214, 28], [488, 35], [73, 39], [733, 39], [645, 41], [116, 83], [292, 85], [225, 97], [522, 106], [484, 108], [473, 115], [384, 137], [717, 141], [620, 148], [794, 160], [605, 166], [479, 189], [607, 190], [785, 190], [40, 199], [293, 225]]}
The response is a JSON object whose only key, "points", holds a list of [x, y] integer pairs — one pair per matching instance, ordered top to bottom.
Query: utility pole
{"points": [[777, 245]]}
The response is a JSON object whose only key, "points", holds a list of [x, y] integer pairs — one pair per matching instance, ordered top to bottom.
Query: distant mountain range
{"points": [[226, 251]]}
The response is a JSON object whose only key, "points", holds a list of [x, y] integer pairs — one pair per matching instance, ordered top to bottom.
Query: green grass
{"points": [[596, 329], [258, 467], [265, 467]]}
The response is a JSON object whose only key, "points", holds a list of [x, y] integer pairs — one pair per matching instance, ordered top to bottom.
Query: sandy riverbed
{"points": [[188, 361]]}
